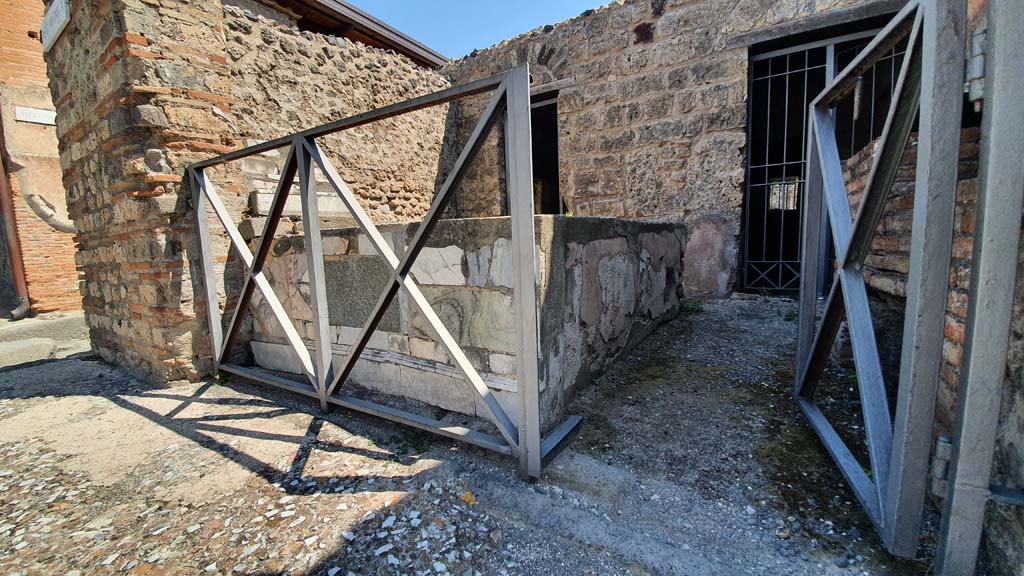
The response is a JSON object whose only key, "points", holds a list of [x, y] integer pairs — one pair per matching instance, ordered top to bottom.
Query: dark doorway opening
{"points": [[782, 85], [781, 88], [544, 127]]}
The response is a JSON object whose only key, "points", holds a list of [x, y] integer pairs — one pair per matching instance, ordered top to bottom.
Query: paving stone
{"points": [[27, 350]]}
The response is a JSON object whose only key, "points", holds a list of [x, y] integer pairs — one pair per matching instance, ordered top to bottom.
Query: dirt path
{"points": [[692, 460]]}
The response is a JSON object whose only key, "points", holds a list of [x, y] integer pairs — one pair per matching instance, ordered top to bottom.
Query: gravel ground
{"points": [[692, 460]]}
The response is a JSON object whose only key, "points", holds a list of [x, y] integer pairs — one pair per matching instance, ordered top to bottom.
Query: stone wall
{"points": [[286, 81], [143, 88], [654, 123], [32, 168], [604, 284], [1004, 525]]}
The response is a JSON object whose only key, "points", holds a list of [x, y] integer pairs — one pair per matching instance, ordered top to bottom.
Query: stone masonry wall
{"points": [[286, 81], [142, 88], [654, 125], [32, 166], [604, 284], [1004, 525]]}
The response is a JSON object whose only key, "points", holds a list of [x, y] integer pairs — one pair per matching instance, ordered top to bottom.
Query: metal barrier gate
{"points": [[930, 87], [511, 95], [893, 496]]}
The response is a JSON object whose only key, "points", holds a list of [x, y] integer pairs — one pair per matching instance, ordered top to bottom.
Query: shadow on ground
{"points": [[211, 427], [692, 460]]}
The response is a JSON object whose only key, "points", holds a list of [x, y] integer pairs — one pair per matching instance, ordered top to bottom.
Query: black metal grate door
{"points": [[782, 85], [780, 92]]}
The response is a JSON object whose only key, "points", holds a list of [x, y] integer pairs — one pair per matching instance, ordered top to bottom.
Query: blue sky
{"points": [[455, 27]]}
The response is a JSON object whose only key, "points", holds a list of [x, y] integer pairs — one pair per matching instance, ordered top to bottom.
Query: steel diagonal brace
{"points": [[262, 249], [400, 268], [262, 284]]}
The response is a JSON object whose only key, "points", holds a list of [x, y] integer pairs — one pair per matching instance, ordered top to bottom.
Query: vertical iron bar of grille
{"points": [[785, 159], [767, 162]]}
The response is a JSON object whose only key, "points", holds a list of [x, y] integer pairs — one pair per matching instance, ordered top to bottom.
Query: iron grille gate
{"points": [[782, 85], [520, 438], [893, 494]]}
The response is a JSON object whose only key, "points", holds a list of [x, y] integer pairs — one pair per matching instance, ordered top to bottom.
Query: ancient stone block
{"points": [[149, 116], [330, 205], [710, 260], [441, 266], [501, 269], [357, 281], [478, 318], [502, 363]]}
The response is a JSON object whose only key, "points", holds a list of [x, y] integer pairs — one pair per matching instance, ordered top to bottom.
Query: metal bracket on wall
{"points": [[522, 438]]}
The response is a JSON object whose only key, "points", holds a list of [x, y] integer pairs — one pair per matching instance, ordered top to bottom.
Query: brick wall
{"points": [[21, 60], [145, 87], [31, 166], [48, 254]]}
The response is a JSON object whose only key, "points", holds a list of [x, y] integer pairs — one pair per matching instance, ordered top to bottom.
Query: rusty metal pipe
{"points": [[13, 247]]}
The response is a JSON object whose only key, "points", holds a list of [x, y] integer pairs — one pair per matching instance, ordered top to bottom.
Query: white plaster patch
{"points": [[335, 246], [501, 263], [439, 266], [429, 349], [276, 357], [502, 363]]}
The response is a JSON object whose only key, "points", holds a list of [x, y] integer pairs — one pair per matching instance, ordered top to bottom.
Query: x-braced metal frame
{"points": [[929, 85], [520, 437]]}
